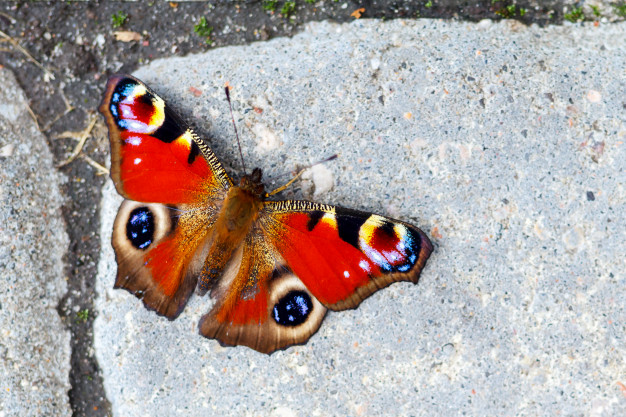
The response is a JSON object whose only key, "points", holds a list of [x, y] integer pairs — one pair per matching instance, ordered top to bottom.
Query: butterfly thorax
{"points": [[252, 183], [236, 218]]}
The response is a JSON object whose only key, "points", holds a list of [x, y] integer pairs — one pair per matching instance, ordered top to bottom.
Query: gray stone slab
{"points": [[505, 143], [34, 344]]}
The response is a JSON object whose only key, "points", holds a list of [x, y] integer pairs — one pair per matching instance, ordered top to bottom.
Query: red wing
{"points": [[155, 156], [160, 251], [342, 256], [260, 303]]}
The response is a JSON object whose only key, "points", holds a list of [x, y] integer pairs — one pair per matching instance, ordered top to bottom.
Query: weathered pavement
{"points": [[503, 142], [34, 344]]}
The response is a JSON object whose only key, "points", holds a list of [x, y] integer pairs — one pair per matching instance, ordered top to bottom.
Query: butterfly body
{"points": [[237, 217], [273, 267]]}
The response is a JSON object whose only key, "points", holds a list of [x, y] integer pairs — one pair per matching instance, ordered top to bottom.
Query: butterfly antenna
{"points": [[230, 106], [300, 172]]}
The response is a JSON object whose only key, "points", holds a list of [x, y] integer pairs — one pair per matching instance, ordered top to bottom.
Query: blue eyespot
{"points": [[140, 227], [293, 309]]}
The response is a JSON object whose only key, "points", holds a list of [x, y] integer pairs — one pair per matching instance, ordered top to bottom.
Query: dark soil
{"points": [[75, 42]]}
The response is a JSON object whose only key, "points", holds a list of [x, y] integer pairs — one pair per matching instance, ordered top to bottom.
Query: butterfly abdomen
{"points": [[236, 218]]}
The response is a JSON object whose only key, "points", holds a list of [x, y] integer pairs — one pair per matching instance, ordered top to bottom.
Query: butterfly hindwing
{"points": [[160, 250], [260, 303]]}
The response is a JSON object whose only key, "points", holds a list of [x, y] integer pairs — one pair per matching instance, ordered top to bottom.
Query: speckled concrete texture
{"points": [[505, 143], [34, 345]]}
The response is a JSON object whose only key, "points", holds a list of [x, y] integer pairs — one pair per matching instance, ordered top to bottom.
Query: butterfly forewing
{"points": [[155, 156], [342, 255]]}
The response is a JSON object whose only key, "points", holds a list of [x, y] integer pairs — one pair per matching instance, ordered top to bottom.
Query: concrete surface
{"points": [[505, 143], [34, 345]]}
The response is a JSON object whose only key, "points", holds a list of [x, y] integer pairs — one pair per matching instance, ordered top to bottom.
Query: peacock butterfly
{"points": [[273, 267]]}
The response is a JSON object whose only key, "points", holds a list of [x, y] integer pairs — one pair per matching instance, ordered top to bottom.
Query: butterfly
{"points": [[274, 268]]}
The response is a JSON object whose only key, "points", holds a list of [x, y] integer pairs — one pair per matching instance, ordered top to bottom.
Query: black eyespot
{"points": [[140, 227], [293, 309]]}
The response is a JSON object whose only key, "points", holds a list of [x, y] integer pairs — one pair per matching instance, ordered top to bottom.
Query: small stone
{"points": [[594, 96]]}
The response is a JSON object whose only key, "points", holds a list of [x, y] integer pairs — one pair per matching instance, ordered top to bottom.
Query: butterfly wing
{"points": [[155, 156], [173, 185], [160, 251], [342, 255], [302, 259], [261, 303]]}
